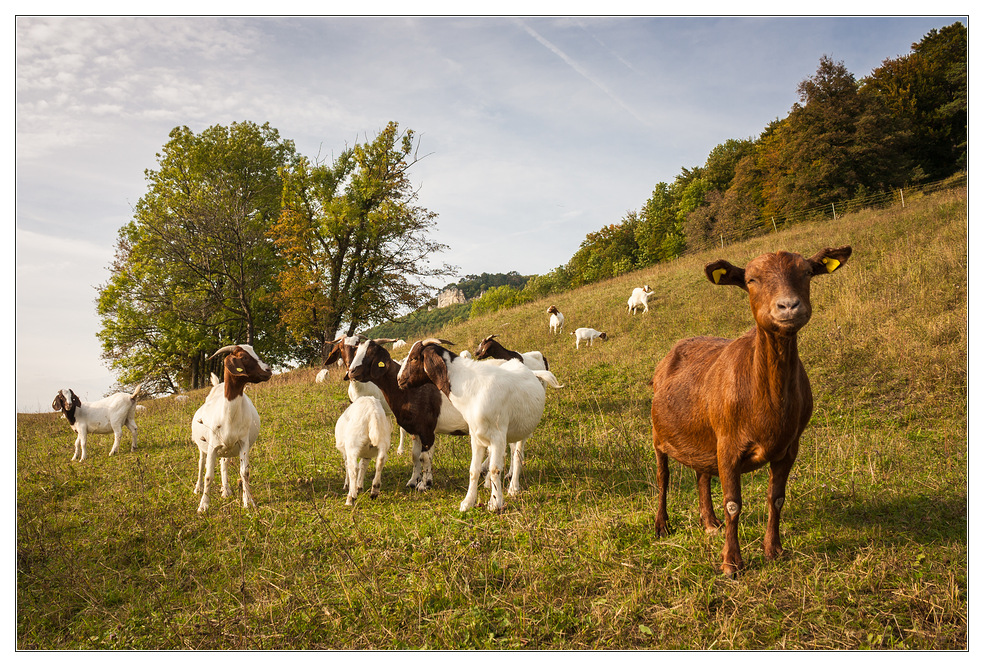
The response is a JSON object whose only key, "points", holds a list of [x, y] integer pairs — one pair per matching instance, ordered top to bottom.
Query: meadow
{"points": [[111, 553]]}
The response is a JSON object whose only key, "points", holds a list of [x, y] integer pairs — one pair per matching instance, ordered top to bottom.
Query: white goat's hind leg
{"points": [[132, 425], [117, 434], [78, 448], [497, 450], [224, 466], [516, 469], [474, 473], [244, 476], [351, 476], [377, 480]]}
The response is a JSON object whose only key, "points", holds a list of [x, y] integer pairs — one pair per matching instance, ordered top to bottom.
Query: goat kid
{"points": [[640, 299], [556, 320], [589, 335], [490, 348], [501, 402], [725, 407], [107, 415], [227, 424], [363, 432]]}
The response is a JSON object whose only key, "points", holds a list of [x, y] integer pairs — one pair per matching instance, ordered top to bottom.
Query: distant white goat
{"points": [[640, 299], [556, 320], [588, 334], [398, 344], [322, 376], [181, 398], [502, 402], [107, 415], [227, 424], [363, 432]]}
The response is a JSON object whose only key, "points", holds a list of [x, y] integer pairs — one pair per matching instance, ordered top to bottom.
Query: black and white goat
{"points": [[490, 348], [501, 401], [420, 411], [107, 415], [227, 424]]}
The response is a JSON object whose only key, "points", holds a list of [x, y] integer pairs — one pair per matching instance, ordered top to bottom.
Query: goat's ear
{"points": [[829, 260], [723, 272], [333, 354], [234, 365], [437, 370], [76, 401], [56, 404]]}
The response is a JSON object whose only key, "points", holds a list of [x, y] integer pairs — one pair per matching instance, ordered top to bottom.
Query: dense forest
{"points": [[241, 238]]}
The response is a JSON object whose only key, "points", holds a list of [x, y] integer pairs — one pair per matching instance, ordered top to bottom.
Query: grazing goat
{"points": [[640, 299], [556, 320], [589, 335], [490, 348], [322, 376], [501, 402], [726, 407], [420, 411], [107, 415], [227, 424], [363, 432]]}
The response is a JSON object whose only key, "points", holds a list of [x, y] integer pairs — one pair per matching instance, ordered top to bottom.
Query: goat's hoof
{"points": [[374, 494], [348, 500], [661, 530]]}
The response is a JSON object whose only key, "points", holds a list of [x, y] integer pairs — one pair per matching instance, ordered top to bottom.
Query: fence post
{"points": [[902, 195], [833, 210], [774, 228], [722, 240]]}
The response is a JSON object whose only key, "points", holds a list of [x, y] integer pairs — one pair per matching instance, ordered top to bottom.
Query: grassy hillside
{"points": [[111, 553]]}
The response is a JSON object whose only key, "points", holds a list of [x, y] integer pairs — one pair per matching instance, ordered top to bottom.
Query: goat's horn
{"points": [[383, 341], [435, 341], [227, 348]]}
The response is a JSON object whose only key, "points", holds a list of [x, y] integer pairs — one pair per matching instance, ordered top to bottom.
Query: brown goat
{"points": [[490, 348], [726, 407]]}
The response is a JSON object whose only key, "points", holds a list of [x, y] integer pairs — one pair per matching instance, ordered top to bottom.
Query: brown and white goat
{"points": [[490, 348], [726, 407], [420, 411], [107, 415], [227, 424]]}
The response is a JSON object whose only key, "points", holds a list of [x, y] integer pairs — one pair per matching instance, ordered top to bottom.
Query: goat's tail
{"points": [[548, 379], [133, 396], [380, 428]]}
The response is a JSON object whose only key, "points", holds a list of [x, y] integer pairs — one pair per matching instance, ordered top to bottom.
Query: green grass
{"points": [[111, 553]]}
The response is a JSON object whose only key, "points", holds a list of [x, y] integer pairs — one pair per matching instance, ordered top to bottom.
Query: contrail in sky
{"points": [[580, 70]]}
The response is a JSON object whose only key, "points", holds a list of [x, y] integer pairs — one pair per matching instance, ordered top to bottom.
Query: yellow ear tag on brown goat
{"points": [[831, 263], [717, 273], [382, 364], [239, 370]]}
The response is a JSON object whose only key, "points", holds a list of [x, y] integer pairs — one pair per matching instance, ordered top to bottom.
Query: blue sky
{"points": [[536, 130]]}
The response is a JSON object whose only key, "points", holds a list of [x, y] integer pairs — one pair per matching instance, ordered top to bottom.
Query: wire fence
{"points": [[765, 225]]}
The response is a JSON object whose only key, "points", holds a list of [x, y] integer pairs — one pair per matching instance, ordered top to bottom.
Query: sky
{"points": [[536, 131]]}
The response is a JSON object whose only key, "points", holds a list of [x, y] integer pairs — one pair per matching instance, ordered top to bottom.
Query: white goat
{"points": [[640, 299], [556, 320], [589, 335], [398, 344], [322, 376], [181, 398], [502, 402], [107, 415], [227, 424], [363, 432]]}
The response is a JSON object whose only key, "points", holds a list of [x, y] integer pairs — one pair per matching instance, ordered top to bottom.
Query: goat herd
{"points": [[720, 407]]}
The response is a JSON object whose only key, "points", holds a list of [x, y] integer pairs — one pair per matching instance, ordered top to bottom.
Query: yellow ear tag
{"points": [[831, 263], [717, 273], [382, 364], [239, 370]]}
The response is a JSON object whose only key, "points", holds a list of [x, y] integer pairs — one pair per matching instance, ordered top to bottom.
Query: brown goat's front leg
{"points": [[778, 474], [663, 483], [731, 489], [705, 504]]}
